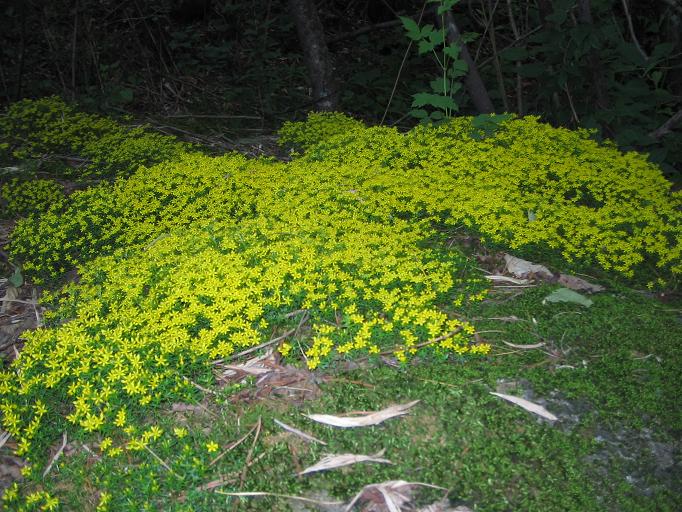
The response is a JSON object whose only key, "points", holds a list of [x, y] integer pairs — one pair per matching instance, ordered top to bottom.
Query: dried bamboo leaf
{"points": [[522, 268], [496, 278], [579, 284], [524, 347], [527, 405], [365, 420], [299, 433], [4, 436], [345, 459], [393, 494]]}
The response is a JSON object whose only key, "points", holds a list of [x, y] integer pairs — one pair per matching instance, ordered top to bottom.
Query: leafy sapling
{"points": [[438, 104]]}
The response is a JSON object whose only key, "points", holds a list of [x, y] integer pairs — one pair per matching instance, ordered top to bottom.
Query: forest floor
{"points": [[608, 372], [605, 432]]}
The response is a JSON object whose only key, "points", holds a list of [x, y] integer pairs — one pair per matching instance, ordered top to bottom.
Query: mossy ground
{"points": [[609, 372]]}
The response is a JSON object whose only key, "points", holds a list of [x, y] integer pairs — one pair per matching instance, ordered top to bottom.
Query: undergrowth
{"points": [[340, 252]]}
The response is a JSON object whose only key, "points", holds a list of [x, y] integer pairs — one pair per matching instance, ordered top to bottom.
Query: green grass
{"points": [[617, 380]]}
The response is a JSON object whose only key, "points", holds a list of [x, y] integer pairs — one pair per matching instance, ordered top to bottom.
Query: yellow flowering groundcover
{"points": [[198, 257]]}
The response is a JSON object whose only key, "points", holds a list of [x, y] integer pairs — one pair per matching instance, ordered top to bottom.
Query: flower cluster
{"points": [[319, 127], [528, 184]]}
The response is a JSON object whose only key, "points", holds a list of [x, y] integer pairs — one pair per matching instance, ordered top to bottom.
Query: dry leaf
{"points": [[522, 268], [496, 278], [578, 284], [11, 294], [524, 347], [527, 405], [180, 407], [367, 419], [299, 433], [4, 436], [346, 459], [392, 495], [444, 506]]}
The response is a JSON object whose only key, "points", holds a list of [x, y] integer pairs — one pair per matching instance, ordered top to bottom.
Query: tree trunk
{"points": [[315, 53], [472, 81]]}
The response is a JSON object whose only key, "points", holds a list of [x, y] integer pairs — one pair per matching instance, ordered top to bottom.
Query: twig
{"points": [[674, 5], [632, 30], [74, 40], [486, 61], [400, 69], [519, 80], [570, 102], [210, 116], [33, 303], [423, 344], [262, 345], [199, 387], [299, 433], [3, 438], [233, 446], [250, 454], [56, 456], [162, 462], [299, 498]]}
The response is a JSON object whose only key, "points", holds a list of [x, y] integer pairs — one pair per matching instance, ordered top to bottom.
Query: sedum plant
{"points": [[20, 198], [197, 258]]}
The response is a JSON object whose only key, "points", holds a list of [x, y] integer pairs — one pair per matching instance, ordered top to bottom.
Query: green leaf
{"points": [[411, 27], [427, 30], [468, 37], [437, 38], [425, 46], [452, 50], [458, 68], [439, 85], [435, 100], [419, 113], [436, 115], [16, 279], [566, 295]]}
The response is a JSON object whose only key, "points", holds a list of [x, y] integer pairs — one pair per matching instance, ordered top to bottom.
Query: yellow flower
{"points": [[120, 419], [105, 444], [212, 447]]}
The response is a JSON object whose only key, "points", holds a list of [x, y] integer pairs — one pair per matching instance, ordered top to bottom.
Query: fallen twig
{"points": [[299, 433], [233, 446], [250, 454], [56, 456], [162, 462], [288, 496]]}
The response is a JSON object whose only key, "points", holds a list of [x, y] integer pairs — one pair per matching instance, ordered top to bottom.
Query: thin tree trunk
{"points": [[315, 53], [473, 82]]}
